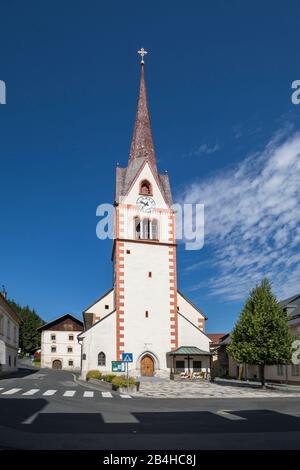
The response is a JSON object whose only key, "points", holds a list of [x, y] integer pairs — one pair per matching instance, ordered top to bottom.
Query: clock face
{"points": [[145, 203]]}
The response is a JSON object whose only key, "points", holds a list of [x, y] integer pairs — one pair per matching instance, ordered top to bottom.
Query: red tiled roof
{"points": [[215, 337]]}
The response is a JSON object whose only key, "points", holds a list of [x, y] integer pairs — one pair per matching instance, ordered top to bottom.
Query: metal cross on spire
{"points": [[142, 52]]}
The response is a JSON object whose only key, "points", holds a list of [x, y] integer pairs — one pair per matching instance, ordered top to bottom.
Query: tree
{"points": [[260, 336], [29, 337]]}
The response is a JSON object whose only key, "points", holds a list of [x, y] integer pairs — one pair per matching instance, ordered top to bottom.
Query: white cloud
{"points": [[204, 149], [207, 149], [252, 221]]}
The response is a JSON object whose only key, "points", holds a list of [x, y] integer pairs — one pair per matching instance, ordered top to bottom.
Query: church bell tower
{"points": [[144, 251]]}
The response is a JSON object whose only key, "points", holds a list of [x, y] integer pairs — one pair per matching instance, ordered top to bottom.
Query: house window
{"points": [[145, 187], [127, 252], [149, 274], [106, 307], [147, 314], [1, 325], [8, 328], [53, 337], [71, 337], [53, 349], [70, 350], [83, 356], [101, 359], [9, 360], [15, 361], [71, 363], [180, 366], [197, 366], [279, 369], [295, 370]]}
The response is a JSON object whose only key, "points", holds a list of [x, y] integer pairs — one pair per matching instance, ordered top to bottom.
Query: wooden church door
{"points": [[147, 366]]}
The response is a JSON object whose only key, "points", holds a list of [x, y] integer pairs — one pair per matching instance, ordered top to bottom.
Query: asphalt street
{"points": [[47, 409]]}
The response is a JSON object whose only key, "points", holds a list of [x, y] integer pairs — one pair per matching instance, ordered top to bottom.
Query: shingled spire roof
{"points": [[142, 142], [142, 149]]}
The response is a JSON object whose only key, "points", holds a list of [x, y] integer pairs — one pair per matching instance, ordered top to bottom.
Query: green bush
{"points": [[93, 374], [108, 377], [121, 381]]}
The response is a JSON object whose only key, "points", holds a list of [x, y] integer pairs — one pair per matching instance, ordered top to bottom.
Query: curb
{"points": [[92, 386]]}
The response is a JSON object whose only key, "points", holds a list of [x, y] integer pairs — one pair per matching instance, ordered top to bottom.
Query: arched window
{"points": [[145, 187], [137, 228], [146, 229], [154, 229], [101, 359]]}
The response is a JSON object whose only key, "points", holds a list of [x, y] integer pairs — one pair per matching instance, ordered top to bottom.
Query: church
{"points": [[144, 313]]}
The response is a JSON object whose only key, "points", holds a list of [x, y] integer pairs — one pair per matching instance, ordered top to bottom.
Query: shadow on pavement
{"points": [[21, 372], [233, 383], [13, 413]]}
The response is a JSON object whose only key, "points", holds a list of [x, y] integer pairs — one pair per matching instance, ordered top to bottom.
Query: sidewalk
{"points": [[165, 388]]}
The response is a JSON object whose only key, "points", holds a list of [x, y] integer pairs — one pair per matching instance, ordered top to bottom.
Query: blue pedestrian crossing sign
{"points": [[127, 357]]}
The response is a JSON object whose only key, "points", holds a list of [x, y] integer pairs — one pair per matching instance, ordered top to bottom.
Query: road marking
{"points": [[1, 388], [11, 391], [31, 392], [48, 393], [69, 393], [88, 394], [106, 395], [125, 396], [290, 413], [228, 415], [116, 417], [31, 418]]}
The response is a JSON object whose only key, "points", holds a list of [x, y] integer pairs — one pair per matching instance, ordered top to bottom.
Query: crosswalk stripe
{"points": [[11, 391], [31, 392], [48, 393], [69, 393], [88, 394], [228, 415]]}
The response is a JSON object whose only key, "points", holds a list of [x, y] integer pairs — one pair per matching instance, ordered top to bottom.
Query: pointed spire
{"points": [[142, 142]]}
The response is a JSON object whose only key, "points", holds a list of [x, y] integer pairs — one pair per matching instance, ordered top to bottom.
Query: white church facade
{"points": [[144, 313]]}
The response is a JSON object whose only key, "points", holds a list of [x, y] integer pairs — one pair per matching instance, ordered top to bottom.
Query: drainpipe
{"points": [[80, 342]]}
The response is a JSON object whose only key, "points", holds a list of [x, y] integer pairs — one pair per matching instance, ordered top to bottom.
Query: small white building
{"points": [[144, 313], [9, 336], [59, 346]]}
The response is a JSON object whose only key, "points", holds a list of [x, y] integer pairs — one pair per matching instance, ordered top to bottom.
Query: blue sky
{"points": [[219, 80]]}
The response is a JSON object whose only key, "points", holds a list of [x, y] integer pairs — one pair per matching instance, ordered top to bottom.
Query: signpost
{"points": [[127, 357], [117, 366]]}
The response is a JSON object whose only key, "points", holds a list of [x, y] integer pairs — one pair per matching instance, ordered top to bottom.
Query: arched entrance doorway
{"points": [[56, 364], [147, 366]]}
